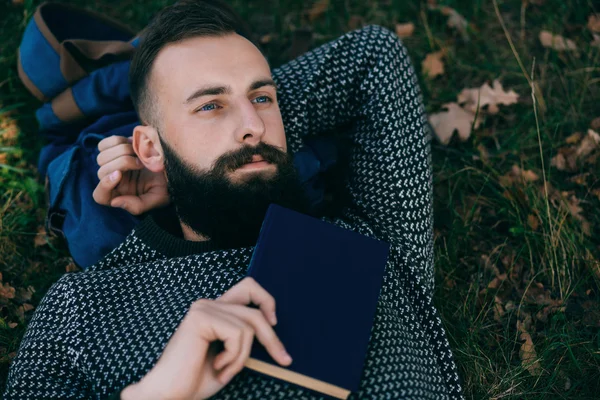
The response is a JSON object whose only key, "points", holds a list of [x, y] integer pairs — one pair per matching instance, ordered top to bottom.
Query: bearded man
{"points": [[219, 128]]}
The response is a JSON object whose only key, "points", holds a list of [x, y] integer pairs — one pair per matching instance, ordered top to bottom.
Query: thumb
{"points": [[104, 190], [132, 204]]}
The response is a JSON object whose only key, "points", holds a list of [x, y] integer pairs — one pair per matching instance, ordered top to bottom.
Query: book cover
{"points": [[326, 282]]}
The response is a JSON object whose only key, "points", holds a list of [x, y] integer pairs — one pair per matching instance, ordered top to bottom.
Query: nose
{"points": [[251, 128]]}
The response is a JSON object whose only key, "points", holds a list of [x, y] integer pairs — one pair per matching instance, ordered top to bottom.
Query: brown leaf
{"points": [[318, 9], [456, 21], [594, 23], [405, 30], [556, 42], [432, 65], [487, 96], [456, 118], [595, 124], [9, 129], [574, 138], [589, 143], [3, 158], [568, 158], [518, 175], [580, 179], [576, 212], [533, 222], [40, 237], [71, 267], [7, 291], [24, 295], [27, 307], [498, 309], [12, 325], [529, 358]]}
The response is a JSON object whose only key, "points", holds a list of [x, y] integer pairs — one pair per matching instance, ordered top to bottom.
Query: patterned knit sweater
{"points": [[97, 331]]}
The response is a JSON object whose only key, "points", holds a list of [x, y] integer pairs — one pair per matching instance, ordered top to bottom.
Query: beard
{"points": [[231, 214]]}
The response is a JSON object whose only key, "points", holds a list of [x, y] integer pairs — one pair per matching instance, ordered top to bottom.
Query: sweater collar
{"points": [[161, 231]]}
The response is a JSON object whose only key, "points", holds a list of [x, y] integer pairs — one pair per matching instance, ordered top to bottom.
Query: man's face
{"points": [[215, 95], [222, 136]]}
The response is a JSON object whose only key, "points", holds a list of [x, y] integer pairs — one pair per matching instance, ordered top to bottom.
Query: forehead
{"points": [[230, 59]]}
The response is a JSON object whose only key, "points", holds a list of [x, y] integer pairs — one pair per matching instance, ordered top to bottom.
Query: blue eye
{"points": [[263, 99], [208, 107]]}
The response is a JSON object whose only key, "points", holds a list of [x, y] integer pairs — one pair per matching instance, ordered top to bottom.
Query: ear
{"points": [[146, 145]]}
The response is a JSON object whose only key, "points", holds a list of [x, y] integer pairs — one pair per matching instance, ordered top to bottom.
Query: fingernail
{"points": [[130, 139], [113, 176], [286, 357]]}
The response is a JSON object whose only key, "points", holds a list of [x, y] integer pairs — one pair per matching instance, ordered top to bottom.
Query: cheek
{"points": [[275, 132], [196, 147]]}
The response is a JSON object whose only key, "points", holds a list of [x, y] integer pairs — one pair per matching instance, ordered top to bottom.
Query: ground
{"points": [[516, 235]]}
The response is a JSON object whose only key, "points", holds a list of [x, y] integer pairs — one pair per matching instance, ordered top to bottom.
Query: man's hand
{"points": [[124, 181], [189, 367]]}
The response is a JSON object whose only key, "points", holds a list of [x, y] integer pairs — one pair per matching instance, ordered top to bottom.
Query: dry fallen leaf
{"points": [[318, 9], [456, 21], [594, 23], [405, 30], [556, 42], [432, 65], [487, 96], [446, 122], [8, 129], [589, 143], [568, 157], [518, 176], [576, 212], [533, 222], [40, 237], [6, 291], [529, 359]]}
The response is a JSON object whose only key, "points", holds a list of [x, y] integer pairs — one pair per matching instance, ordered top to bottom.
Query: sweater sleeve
{"points": [[364, 84], [43, 367]]}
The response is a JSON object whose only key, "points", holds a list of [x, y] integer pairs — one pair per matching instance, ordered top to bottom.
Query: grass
{"points": [[511, 257]]}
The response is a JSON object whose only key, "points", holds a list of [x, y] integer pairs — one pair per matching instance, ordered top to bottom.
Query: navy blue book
{"points": [[326, 282]]}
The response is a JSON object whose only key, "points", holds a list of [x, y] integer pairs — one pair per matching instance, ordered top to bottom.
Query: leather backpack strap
{"points": [[63, 44]]}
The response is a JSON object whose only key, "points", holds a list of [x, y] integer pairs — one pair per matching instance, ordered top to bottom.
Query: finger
{"points": [[111, 141], [112, 153], [123, 164], [103, 192], [249, 291], [262, 330], [233, 361]]}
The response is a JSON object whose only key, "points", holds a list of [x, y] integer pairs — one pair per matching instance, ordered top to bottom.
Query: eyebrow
{"points": [[218, 90]]}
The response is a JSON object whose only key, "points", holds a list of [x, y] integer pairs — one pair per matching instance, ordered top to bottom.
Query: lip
{"points": [[256, 165]]}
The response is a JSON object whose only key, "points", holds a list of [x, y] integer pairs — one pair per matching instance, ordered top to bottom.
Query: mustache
{"points": [[235, 159]]}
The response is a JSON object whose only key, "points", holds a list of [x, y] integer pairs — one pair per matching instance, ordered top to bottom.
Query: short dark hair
{"points": [[182, 20]]}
